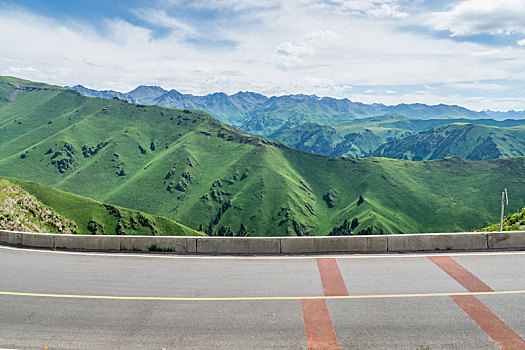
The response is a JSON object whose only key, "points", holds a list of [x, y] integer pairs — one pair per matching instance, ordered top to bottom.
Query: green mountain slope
{"points": [[320, 125], [362, 137], [356, 139], [469, 141], [187, 166], [20, 211], [92, 217]]}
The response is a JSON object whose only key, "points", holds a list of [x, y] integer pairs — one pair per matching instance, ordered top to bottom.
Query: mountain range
{"points": [[259, 114], [323, 125], [389, 136], [468, 141], [189, 167]]}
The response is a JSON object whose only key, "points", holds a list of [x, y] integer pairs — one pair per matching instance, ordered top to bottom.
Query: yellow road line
{"points": [[379, 296]]}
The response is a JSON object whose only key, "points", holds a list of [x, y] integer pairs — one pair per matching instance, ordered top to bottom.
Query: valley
{"points": [[187, 166]]}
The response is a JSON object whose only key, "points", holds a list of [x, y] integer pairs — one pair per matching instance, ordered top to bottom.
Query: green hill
{"points": [[319, 125], [362, 137], [326, 140], [468, 141], [189, 167], [20, 211], [88, 216]]}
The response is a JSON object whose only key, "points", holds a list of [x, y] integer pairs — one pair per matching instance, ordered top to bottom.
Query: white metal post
{"points": [[504, 201], [502, 210]]}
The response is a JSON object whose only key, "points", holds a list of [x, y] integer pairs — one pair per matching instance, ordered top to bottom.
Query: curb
{"points": [[271, 245]]}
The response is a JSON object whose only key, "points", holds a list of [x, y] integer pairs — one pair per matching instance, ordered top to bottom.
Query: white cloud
{"points": [[236, 5], [367, 8], [387, 10], [469, 17], [161, 19], [118, 31], [321, 35], [521, 42], [291, 48], [295, 49], [293, 52], [486, 53], [20, 70], [324, 86], [479, 86], [390, 99], [474, 103]]}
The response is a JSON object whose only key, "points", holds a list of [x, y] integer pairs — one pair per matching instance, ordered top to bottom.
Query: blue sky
{"points": [[465, 52]]}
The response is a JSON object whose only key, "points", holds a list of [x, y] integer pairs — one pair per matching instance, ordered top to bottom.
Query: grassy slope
{"points": [[273, 116], [323, 126], [361, 137], [338, 141], [469, 141], [231, 178], [82, 210], [20, 211]]}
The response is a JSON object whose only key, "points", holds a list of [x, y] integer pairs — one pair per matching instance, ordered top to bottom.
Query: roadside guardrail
{"points": [[271, 245]]}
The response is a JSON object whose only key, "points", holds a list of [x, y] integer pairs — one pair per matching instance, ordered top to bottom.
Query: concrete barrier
{"points": [[11, 237], [507, 239], [38, 240], [437, 241], [87, 242], [163, 244], [336, 244], [239, 245], [272, 245]]}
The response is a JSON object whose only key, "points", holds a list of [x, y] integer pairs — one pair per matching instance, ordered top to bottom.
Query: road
{"points": [[68, 300]]}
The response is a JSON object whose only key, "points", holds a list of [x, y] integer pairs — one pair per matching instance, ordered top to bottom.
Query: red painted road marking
{"points": [[460, 274], [333, 283], [488, 321], [320, 334]]}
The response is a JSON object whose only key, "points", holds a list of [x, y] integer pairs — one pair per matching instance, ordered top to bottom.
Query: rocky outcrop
{"points": [[153, 146], [92, 151], [64, 158], [187, 175], [182, 186], [330, 198], [20, 211], [96, 228], [345, 229]]}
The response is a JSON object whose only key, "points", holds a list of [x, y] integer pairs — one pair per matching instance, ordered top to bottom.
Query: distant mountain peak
{"points": [[148, 88], [174, 92], [262, 115]]}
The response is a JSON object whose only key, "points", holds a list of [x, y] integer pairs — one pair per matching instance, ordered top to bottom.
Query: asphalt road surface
{"points": [[67, 300]]}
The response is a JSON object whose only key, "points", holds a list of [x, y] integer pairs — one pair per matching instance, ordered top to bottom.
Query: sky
{"points": [[465, 52]]}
